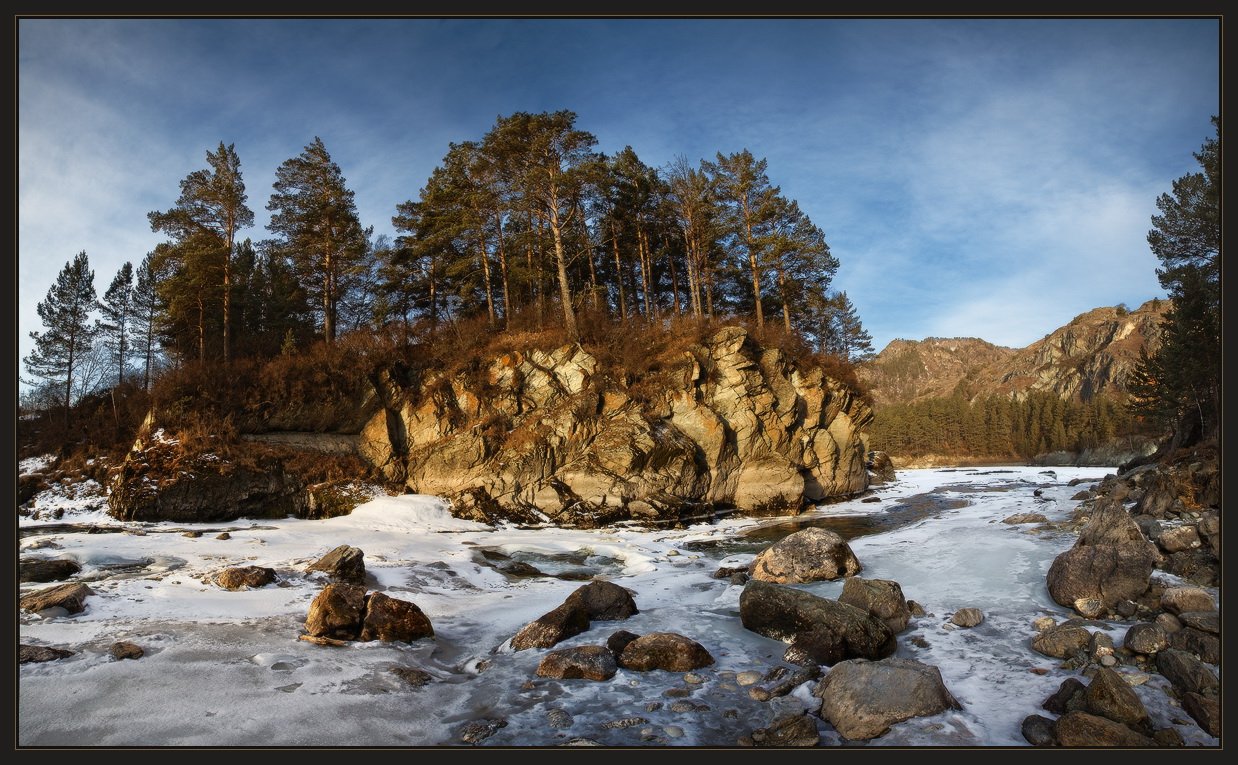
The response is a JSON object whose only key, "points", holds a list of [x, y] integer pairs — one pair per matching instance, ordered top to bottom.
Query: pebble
{"points": [[192, 534], [224, 535], [671, 553], [1042, 623], [1108, 660], [748, 678], [1136, 678], [693, 679], [677, 693], [759, 694], [653, 706], [683, 706], [730, 714], [559, 718], [625, 722], [674, 731], [647, 732], [580, 742]]}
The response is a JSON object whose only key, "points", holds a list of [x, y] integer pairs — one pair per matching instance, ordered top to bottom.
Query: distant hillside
{"points": [[1091, 356]]}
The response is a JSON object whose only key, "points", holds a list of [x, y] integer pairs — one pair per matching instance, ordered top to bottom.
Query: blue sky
{"points": [[975, 177]]}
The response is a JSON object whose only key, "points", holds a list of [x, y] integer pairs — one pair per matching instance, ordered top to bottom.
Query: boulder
{"points": [[880, 467], [1025, 518], [1110, 524], [1209, 530], [1178, 539], [809, 555], [343, 564], [46, 569], [1106, 572], [244, 577], [70, 597], [882, 598], [1177, 600], [603, 601], [336, 612], [967, 617], [393, 620], [1204, 621], [1168, 622], [561, 623], [827, 630], [1146, 638], [619, 640], [1062, 641], [1207, 647], [123, 649], [664, 650], [27, 654], [586, 662], [1186, 673], [1108, 695], [1069, 696], [862, 699], [1205, 711], [1082, 729], [791, 730], [1038, 731]]}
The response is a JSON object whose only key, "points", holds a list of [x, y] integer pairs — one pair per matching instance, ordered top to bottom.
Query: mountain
{"points": [[1091, 356]]}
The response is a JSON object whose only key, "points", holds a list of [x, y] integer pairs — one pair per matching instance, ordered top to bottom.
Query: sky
{"points": [[986, 178]]}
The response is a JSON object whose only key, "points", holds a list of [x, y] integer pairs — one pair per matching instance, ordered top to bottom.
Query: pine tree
{"points": [[749, 203], [147, 307], [116, 308], [68, 335]]}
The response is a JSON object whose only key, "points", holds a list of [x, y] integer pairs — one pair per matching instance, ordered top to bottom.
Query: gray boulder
{"points": [[809, 555], [46, 569], [1108, 573], [882, 598], [1177, 600], [603, 601], [1204, 621], [561, 623], [827, 630], [1146, 638], [1063, 640], [1207, 647], [664, 650], [586, 662], [1187, 673], [1108, 695], [862, 699], [1205, 711], [1082, 729], [1038, 731]]}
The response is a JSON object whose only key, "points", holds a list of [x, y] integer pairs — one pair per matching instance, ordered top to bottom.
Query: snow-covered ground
{"points": [[226, 669]]}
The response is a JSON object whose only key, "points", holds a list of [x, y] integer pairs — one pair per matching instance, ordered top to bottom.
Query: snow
{"points": [[226, 669]]}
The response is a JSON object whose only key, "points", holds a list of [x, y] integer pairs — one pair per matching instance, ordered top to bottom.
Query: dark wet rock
{"points": [[880, 467], [28, 485], [871, 499], [1025, 518], [1150, 527], [1209, 530], [809, 555], [343, 564], [1196, 566], [46, 569], [726, 572], [1108, 573], [244, 577], [71, 597], [881, 598], [1177, 600], [603, 601], [915, 608], [1126, 608], [336, 612], [967, 617], [393, 620], [1205, 621], [563, 622], [1169, 623], [827, 630], [1146, 638], [619, 640], [1062, 641], [1100, 645], [1207, 647], [123, 649], [664, 650], [27, 654], [586, 662], [1187, 673], [412, 675], [787, 684], [1108, 695], [1069, 696], [862, 699], [1205, 711], [1082, 729], [480, 730], [792, 730], [1038, 731], [1168, 737]]}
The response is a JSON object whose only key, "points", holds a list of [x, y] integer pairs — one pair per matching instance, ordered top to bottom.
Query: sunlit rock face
{"points": [[551, 437]]}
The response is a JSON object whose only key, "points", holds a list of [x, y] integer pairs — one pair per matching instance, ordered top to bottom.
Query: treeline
{"points": [[526, 227], [999, 427]]}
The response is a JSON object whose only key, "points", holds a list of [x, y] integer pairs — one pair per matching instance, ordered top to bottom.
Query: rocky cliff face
{"points": [[1091, 356], [549, 437]]}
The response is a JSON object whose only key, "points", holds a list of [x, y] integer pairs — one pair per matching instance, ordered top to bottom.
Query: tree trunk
{"points": [[642, 246], [670, 259], [485, 270], [756, 274], [565, 290], [228, 297], [507, 303], [786, 303], [623, 308], [201, 329]]}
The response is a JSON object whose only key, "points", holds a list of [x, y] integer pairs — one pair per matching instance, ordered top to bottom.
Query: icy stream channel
{"points": [[226, 669]]}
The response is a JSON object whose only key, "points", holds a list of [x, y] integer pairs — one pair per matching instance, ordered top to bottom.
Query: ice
{"points": [[226, 668]]}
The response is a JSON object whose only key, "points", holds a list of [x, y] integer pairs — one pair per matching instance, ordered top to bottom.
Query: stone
{"points": [[880, 467], [1025, 518], [192, 534], [223, 535], [1178, 539], [809, 555], [343, 564], [46, 569], [1107, 572], [244, 577], [71, 597], [882, 598], [1176, 600], [603, 601], [915, 608], [1090, 608], [1126, 608], [336, 612], [967, 617], [393, 620], [1204, 621], [1168, 622], [561, 623], [1042, 623], [826, 630], [1146, 638], [619, 640], [1063, 640], [1207, 647], [123, 649], [664, 650], [28, 654], [586, 662], [1187, 673], [412, 675], [748, 678], [1108, 695], [1069, 696], [862, 698], [1205, 711], [559, 718], [624, 722], [1082, 729], [479, 730], [792, 730], [1038, 731], [1168, 737]]}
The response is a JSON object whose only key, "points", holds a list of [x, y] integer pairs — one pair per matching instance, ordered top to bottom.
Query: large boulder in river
{"points": [[880, 467], [806, 556], [343, 564], [46, 569], [1106, 573], [244, 577], [70, 597], [883, 598], [1177, 600], [603, 601], [336, 612], [393, 620], [558, 624], [827, 630], [1146, 638], [1062, 641], [664, 650], [586, 662], [1186, 673], [1108, 695], [862, 699], [1079, 728]]}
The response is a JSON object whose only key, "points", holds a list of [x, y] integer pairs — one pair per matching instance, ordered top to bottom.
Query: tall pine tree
{"points": [[116, 308], [68, 334]]}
